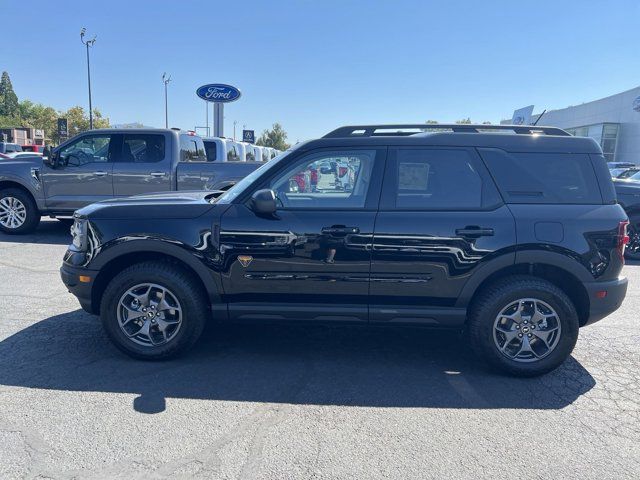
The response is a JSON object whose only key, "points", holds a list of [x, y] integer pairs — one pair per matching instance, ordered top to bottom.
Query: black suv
{"points": [[511, 233]]}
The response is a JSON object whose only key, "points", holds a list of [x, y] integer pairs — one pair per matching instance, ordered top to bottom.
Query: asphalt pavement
{"points": [[309, 402]]}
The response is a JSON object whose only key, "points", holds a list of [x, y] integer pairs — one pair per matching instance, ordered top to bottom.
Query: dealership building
{"points": [[614, 122]]}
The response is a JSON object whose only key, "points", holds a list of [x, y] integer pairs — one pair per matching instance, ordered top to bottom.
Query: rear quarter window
{"points": [[543, 177]]}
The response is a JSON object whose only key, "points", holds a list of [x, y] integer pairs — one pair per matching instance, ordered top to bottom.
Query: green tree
{"points": [[8, 98], [78, 120], [464, 121], [431, 122], [274, 138]]}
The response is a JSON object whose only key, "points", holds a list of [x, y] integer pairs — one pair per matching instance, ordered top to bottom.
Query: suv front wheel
{"points": [[153, 310], [523, 325]]}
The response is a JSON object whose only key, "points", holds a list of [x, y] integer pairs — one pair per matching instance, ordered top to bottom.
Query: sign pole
{"points": [[218, 119]]}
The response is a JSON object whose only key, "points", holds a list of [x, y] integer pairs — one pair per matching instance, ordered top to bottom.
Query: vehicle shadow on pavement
{"points": [[50, 231], [353, 366]]}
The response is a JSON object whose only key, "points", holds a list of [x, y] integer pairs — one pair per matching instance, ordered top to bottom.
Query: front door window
{"points": [[88, 149], [326, 181]]}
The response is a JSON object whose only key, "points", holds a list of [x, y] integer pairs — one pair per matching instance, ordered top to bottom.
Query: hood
{"points": [[24, 161], [624, 186], [628, 192], [188, 204]]}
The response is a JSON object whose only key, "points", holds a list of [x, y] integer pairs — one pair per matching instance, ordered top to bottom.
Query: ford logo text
{"points": [[218, 92]]}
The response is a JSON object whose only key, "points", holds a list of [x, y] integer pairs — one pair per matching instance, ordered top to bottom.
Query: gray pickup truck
{"points": [[103, 164]]}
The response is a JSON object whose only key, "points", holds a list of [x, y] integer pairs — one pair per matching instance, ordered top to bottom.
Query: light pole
{"points": [[88, 43], [166, 81], [235, 122]]}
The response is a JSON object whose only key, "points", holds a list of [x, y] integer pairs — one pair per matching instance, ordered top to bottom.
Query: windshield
{"points": [[235, 191]]}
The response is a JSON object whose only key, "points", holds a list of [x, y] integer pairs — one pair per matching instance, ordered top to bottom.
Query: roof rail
{"points": [[397, 130]]}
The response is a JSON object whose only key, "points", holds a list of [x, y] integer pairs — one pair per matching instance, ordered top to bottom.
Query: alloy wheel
{"points": [[13, 213], [149, 314], [527, 330]]}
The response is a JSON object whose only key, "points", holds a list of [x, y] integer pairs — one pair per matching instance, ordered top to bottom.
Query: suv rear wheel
{"points": [[18, 212], [153, 310], [523, 325]]}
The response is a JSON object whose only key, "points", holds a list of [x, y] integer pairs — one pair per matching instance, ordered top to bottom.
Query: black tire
{"points": [[32, 214], [65, 221], [181, 284], [489, 304]]}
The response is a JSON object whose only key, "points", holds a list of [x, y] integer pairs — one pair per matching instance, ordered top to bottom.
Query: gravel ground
{"points": [[297, 402]]}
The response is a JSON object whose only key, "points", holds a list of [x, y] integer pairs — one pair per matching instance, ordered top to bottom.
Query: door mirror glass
{"points": [[263, 202]]}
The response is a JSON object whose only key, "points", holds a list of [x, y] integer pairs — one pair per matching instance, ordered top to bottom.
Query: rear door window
{"points": [[142, 148], [543, 177], [437, 179]]}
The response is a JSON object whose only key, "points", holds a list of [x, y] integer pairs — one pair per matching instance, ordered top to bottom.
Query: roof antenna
{"points": [[539, 117]]}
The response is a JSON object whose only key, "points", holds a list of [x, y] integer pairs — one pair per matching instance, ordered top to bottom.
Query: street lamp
{"points": [[88, 43], [166, 81]]}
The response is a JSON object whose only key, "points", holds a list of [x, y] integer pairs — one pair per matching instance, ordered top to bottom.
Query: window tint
{"points": [[142, 148], [88, 149], [192, 149], [211, 151], [251, 155], [265, 155], [543, 177], [431, 179], [326, 180]]}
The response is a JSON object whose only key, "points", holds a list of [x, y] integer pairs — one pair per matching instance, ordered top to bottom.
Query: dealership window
{"points": [[606, 134]]}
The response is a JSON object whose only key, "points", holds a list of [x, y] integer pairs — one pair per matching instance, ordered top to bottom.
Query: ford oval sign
{"points": [[218, 92]]}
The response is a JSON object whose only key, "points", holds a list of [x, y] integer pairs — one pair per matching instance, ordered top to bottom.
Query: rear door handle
{"points": [[100, 173], [157, 174], [339, 230], [473, 231]]}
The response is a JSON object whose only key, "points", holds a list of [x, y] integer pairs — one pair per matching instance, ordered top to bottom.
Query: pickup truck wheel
{"points": [[18, 212], [153, 310], [524, 326]]}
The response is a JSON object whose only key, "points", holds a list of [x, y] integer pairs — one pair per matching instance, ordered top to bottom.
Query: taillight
{"points": [[623, 238]]}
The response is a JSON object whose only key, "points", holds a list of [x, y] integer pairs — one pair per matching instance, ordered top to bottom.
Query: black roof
{"points": [[512, 138]]}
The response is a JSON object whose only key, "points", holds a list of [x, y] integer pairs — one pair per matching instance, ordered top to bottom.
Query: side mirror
{"points": [[49, 157], [263, 202]]}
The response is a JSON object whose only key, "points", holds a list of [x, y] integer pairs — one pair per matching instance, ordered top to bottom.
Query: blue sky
{"points": [[315, 65]]}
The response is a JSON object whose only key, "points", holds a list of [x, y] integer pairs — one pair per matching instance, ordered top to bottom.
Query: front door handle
{"points": [[100, 173], [157, 174], [339, 230], [474, 231]]}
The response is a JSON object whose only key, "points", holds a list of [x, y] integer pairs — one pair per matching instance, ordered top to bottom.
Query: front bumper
{"points": [[82, 290], [600, 307]]}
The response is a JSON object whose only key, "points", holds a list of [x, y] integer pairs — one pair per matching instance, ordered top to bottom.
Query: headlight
{"points": [[79, 233]]}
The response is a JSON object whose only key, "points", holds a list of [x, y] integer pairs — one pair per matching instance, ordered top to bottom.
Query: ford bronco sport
{"points": [[511, 233]]}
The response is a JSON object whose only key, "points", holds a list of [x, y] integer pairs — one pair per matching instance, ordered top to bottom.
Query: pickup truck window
{"points": [[142, 148], [88, 149], [192, 149], [212, 151], [232, 153], [251, 154]]}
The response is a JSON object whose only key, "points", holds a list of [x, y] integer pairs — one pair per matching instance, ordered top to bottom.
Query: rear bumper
{"points": [[82, 290], [601, 307]]}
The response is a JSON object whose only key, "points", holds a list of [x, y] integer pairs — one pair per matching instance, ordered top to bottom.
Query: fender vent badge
{"points": [[245, 260]]}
